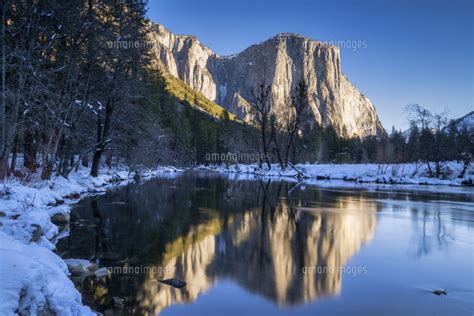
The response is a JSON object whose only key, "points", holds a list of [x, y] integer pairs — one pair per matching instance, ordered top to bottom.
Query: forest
{"points": [[72, 100]]}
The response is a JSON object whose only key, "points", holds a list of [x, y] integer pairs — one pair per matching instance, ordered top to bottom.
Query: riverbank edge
{"points": [[409, 173], [34, 278]]}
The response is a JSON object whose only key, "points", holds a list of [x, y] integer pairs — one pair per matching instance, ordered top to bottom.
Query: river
{"points": [[271, 247]]}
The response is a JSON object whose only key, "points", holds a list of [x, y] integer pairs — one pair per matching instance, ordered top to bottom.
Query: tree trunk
{"points": [[3, 98], [265, 147], [277, 148], [30, 151], [14, 155], [108, 160], [85, 161], [466, 162], [96, 163], [429, 168], [47, 170], [4, 171]]}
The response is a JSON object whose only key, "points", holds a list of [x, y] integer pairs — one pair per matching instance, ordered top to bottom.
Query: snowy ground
{"points": [[360, 173], [33, 278]]}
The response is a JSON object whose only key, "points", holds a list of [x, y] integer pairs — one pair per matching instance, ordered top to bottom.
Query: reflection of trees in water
{"points": [[433, 219], [431, 228], [257, 234], [101, 247], [266, 249]]}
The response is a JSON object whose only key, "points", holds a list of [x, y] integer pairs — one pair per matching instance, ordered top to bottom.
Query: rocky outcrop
{"points": [[281, 62], [465, 122]]}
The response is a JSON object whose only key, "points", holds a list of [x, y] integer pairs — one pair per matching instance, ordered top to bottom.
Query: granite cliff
{"points": [[280, 62]]}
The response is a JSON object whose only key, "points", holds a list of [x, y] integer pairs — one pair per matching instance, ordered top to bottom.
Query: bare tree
{"points": [[3, 96], [299, 103], [261, 108], [419, 115], [285, 130]]}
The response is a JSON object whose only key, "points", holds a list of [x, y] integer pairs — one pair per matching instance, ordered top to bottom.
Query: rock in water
{"points": [[60, 218], [37, 232], [102, 273], [177, 283], [440, 292], [118, 302]]}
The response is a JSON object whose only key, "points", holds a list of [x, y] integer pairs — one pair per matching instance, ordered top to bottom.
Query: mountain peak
{"points": [[291, 35], [297, 39], [230, 80]]}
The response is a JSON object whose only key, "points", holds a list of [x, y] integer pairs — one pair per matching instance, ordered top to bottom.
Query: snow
{"points": [[228, 57], [223, 91], [410, 173], [437, 205], [74, 263], [102, 272], [40, 276], [34, 278]]}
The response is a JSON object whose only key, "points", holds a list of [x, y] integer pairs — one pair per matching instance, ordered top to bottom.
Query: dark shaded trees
{"points": [[61, 65]]}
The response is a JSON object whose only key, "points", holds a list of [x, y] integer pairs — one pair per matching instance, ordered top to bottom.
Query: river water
{"points": [[261, 247]]}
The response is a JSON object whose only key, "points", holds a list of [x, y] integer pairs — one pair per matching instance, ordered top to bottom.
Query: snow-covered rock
{"points": [[78, 267], [102, 273]]}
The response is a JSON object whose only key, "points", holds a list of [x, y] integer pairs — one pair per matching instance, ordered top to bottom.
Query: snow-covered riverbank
{"points": [[411, 173], [33, 277]]}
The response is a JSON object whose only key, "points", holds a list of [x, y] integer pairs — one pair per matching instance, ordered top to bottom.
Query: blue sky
{"points": [[419, 51]]}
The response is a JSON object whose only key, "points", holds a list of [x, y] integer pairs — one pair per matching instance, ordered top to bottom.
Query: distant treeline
{"points": [[72, 99]]}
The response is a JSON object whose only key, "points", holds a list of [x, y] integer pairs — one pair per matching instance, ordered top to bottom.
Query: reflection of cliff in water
{"points": [[201, 230], [265, 249]]}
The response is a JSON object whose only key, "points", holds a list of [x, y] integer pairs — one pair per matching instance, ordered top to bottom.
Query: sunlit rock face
{"points": [[280, 62], [287, 240], [265, 250], [188, 256], [192, 264]]}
